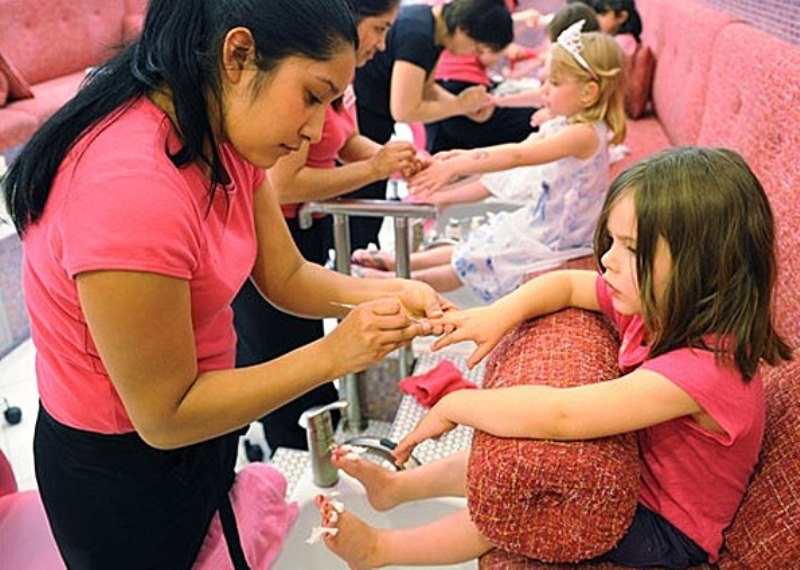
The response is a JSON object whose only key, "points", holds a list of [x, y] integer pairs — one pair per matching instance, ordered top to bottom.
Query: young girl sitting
{"points": [[560, 175], [692, 301]]}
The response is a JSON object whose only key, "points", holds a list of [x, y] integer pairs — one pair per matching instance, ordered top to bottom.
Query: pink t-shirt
{"points": [[340, 124], [118, 203], [693, 477]]}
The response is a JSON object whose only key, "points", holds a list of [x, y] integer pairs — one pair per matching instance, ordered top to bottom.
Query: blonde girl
{"points": [[558, 175], [692, 302]]}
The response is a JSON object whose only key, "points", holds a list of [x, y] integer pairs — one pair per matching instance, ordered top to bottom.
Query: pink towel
{"points": [[430, 387], [262, 515]]}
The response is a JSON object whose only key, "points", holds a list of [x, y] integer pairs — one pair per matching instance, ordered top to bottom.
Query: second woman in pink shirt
{"points": [[310, 174]]}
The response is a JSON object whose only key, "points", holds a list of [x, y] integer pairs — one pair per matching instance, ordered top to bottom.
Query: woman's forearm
{"points": [[313, 184], [312, 291], [222, 401]]}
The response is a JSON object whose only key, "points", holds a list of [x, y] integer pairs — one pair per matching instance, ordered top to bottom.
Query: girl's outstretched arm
{"points": [[575, 140], [545, 294], [640, 399]]}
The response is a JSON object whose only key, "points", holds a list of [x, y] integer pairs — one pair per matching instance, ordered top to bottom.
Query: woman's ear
{"points": [[622, 17], [238, 51]]}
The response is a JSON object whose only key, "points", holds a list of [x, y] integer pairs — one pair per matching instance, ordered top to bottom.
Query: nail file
{"points": [[351, 306]]}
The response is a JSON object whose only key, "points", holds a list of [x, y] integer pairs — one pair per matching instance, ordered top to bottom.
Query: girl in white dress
{"points": [[559, 175]]}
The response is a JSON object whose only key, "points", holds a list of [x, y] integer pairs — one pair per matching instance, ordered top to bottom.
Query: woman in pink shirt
{"points": [[307, 175], [143, 207]]}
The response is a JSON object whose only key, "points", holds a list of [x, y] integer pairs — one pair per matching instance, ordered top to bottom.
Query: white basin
{"points": [[297, 555]]}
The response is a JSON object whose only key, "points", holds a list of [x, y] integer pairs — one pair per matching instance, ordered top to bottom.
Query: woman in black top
{"points": [[397, 85]]}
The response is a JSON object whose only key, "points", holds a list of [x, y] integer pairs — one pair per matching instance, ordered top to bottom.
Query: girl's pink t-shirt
{"points": [[340, 124], [119, 203], [693, 477]]}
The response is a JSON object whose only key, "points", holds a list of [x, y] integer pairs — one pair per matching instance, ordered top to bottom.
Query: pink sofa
{"points": [[51, 43], [720, 82]]}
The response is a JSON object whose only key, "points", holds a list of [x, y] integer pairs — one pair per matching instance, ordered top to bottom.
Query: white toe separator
{"points": [[319, 531]]}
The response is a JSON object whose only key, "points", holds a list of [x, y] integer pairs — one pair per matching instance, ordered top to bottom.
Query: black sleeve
{"points": [[415, 46]]}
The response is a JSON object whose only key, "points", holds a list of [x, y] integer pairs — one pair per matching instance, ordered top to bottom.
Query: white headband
{"points": [[570, 40]]}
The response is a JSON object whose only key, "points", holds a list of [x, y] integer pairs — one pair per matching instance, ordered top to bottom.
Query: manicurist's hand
{"points": [[472, 98], [394, 156], [485, 326], [368, 333], [434, 425]]}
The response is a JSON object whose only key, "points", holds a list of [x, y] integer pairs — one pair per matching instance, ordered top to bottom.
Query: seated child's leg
{"points": [[419, 259], [443, 278], [386, 489], [449, 540]]}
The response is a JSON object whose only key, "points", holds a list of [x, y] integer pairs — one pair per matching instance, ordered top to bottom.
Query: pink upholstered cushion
{"points": [[50, 38], [682, 45], [640, 81], [18, 88], [51, 95], [757, 115], [16, 127], [645, 136], [554, 501], [765, 532]]}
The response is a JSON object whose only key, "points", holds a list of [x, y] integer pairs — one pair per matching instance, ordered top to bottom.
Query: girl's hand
{"points": [[472, 99], [540, 117], [394, 156], [432, 179], [423, 301], [485, 326], [368, 333], [433, 426]]}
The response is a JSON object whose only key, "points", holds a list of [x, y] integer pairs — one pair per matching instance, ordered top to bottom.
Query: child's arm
{"points": [[527, 98], [575, 140], [545, 294], [636, 401]]}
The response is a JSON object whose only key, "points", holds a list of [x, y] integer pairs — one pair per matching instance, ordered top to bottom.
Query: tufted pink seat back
{"points": [[51, 38]]}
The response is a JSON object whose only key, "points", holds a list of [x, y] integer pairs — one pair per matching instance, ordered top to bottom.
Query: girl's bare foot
{"points": [[374, 259], [377, 481], [356, 543]]}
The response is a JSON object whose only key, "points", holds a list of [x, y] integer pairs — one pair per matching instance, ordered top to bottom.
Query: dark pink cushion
{"points": [[640, 81], [18, 87], [3, 89], [554, 501]]}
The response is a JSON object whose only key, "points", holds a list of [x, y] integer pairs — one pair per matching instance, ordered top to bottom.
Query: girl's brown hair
{"points": [[606, 59], [713, 213]]}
